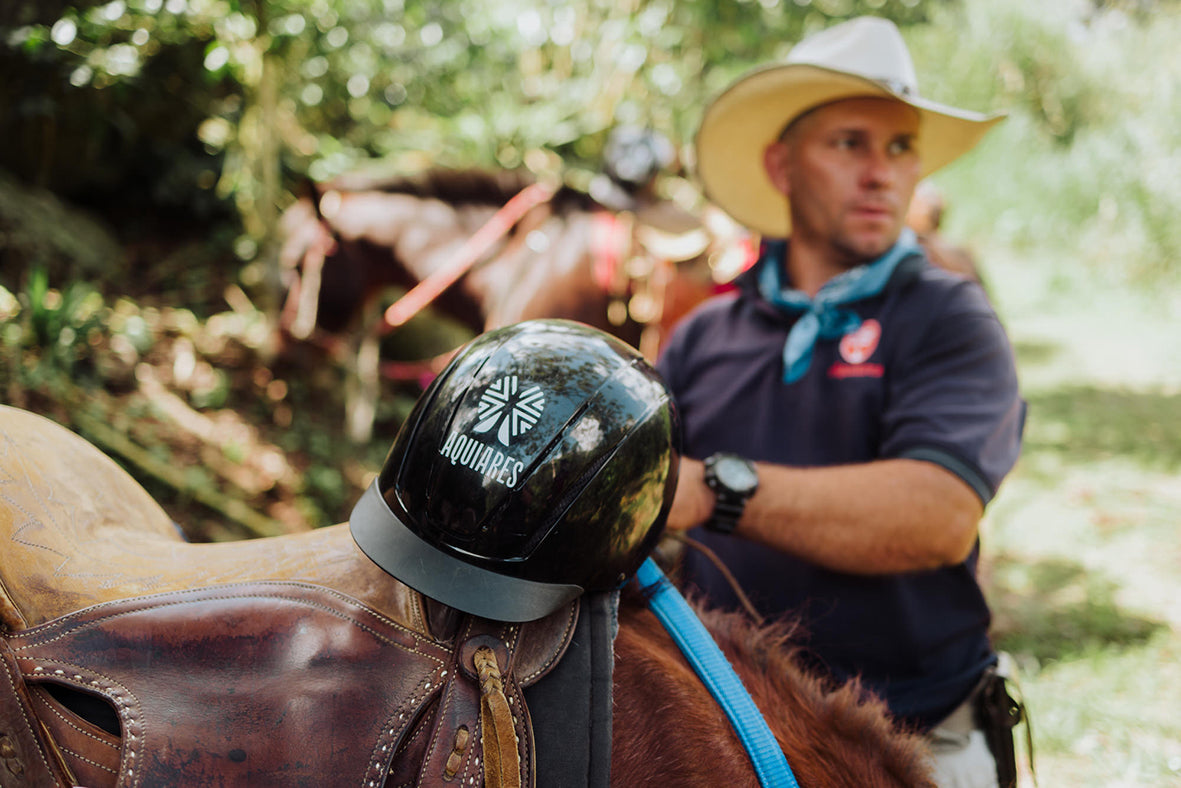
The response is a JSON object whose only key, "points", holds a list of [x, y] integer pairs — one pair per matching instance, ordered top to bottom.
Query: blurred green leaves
{"points": [[462, 81], [238, 99], [51, 333]]}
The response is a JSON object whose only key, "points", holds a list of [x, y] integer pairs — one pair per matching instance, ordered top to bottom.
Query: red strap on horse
{"points": [[607, 242], [469, 254]]}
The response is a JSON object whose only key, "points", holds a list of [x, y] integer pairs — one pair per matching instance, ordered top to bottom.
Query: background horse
{"points": [[351, 243], [631, 268], [84, 547]]}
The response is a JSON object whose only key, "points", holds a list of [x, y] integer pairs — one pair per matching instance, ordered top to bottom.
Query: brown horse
{"points": [[351, 242], [565, 256], [260, 662], [831, 736]]}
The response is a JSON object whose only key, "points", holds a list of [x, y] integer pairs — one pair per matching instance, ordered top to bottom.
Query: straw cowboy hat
{"points": [[862, 57]]}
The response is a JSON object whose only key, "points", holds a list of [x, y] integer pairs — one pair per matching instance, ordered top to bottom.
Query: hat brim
{"points": [[739, 125]]}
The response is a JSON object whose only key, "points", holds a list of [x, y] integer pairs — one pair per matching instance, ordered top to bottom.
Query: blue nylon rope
{"points": [[718, 676]]}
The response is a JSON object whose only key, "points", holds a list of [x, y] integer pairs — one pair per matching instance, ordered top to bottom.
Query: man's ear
{"points": [[775, 162]]}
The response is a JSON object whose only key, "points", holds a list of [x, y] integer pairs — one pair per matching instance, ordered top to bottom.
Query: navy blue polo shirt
{"points": [[929, 375]]}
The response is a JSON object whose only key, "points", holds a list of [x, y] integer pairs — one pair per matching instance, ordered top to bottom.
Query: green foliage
{"points": [[319, 88], [220, 102], [146, 111], [1085, 168], [58, 329]]}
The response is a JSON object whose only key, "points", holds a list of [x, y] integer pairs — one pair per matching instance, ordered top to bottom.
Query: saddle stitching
{"points": [[45, 496], [30, 520], [148, 602], [509, 637], [555, 656], [14, 683], [463, 690], [444, 704], [128, 706], [55, 710], [130, 713], [416, 733], [388, 741], [81, 757]]}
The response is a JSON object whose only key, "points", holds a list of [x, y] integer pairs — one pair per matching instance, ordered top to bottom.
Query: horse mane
{"points": [[831, 735]]}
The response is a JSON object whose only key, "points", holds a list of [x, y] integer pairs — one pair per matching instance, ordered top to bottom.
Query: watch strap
{"points": [[729, 504], [726, 514]]}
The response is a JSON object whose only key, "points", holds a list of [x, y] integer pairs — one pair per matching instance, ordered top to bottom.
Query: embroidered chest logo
{"points": [[857, 346], [856, 349], [509, 412]]}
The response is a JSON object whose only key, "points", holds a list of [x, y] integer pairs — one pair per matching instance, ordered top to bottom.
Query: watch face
{"points": [[736, 474]]}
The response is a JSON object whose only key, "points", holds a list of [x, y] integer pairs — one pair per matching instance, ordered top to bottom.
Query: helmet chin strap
{"points": [[717, 674]]}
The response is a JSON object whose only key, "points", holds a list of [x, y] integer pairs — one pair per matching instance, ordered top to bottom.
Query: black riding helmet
{"points": [[539, 465]]}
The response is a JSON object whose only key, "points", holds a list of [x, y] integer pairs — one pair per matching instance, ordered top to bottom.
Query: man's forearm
{"points": [[875, 518]]}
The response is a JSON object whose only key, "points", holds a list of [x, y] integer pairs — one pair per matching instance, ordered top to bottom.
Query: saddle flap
{"points": [[265, 683], [259, 684]]}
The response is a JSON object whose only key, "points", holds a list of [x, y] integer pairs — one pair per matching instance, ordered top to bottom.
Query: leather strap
{"points": [[426, 291], [512, 656], [502, 767]]}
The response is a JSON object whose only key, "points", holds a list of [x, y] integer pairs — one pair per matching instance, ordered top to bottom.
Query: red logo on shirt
{"points": [[857, 346]]}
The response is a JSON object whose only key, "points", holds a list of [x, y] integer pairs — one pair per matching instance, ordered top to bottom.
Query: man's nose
{"points": [[878, 170]]}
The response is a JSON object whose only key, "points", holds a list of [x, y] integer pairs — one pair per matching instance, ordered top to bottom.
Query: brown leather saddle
{"points": [[290, 660]]}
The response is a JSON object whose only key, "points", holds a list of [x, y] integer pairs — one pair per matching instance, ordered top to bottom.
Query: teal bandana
{"points": [[821, 318]]}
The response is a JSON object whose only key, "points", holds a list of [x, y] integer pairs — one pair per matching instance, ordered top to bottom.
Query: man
{"points": [[855, 407]]}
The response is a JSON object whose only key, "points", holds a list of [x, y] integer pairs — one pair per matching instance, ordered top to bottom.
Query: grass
{"points": [[1081, 546]]}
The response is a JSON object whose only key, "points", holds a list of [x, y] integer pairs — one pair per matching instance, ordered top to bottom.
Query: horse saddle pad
{"points": [[129, 657]]}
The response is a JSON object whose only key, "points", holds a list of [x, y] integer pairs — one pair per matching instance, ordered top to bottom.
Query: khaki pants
{"points": [[960, 754]]}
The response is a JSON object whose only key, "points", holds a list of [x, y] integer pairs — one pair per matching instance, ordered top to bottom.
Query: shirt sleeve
{"points": [[953, 396]]}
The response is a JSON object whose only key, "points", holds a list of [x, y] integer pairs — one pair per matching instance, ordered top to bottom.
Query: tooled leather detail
{"points": [[460, 708]]}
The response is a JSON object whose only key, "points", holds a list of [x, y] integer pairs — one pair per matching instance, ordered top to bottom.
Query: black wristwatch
{"points": [[733, 479]]}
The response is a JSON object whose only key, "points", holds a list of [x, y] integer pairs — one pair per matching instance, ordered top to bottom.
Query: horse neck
{"points": [[663, 715], [830, 736]]}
